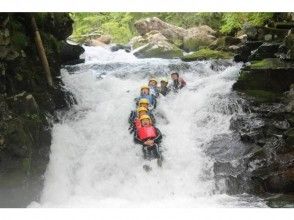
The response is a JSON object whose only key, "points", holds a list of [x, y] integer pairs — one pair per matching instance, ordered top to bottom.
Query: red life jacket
{"points": [[137, 123], [145, 133]]}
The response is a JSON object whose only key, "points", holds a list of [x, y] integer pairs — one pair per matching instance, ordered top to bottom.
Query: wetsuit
{"points": [[178, 84], [164, 90]]}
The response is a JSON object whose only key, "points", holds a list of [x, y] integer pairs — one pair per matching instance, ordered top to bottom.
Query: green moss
{"points": [[19, 40], [205, 54], [270, 63], [263, 96]]}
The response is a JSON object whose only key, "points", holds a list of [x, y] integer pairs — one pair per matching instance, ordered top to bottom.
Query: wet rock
{"points": [[289, 44], [117, 47], [266, 50], [244, 51], [70, 53], [270, 74], [282, 125], [289, 137], [281, 182]]}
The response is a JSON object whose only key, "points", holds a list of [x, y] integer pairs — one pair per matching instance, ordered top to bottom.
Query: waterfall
{"points": [[94, 161]]}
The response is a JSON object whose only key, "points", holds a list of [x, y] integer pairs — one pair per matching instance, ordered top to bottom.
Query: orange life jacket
{"points": [[148, 132]]}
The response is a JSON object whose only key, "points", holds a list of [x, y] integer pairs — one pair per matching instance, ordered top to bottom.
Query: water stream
{"points": [[94, 161]]}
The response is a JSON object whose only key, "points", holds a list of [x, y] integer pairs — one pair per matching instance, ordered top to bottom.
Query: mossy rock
{"points": [[156, 51], [205, 54], [271, 63], [263, 96], [290, 137]]}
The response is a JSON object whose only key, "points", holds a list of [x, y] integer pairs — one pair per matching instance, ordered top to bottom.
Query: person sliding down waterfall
{"points": [[178, 82], [153, 87], [164, 89], [145, 93], [134, 118], [150, 137]]}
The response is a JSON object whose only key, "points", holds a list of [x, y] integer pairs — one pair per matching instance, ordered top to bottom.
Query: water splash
{"points": [[94, 162]]}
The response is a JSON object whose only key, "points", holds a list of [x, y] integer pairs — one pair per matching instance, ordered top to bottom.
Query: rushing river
{"points": [[94, 162]]}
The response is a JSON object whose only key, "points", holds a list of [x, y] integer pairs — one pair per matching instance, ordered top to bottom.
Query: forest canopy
{"points": [[120, 26]]}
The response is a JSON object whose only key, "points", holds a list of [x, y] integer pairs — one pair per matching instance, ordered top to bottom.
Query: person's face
{"points": [[174, 76], [152, 83], [145, 91], [144, 105], [141, 113], [145, 122]]}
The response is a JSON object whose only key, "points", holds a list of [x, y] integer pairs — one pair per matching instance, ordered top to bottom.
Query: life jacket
{"points": [[137, 123], [145, 133]]}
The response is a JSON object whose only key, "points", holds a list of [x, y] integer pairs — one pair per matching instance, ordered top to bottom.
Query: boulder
{"points": [[250, 31], [173, 33], [198, 37], [106, 39], [289, 44], [157, 46], [117, 47], [161, 49], [266, 50], [244, 51], [70, 53], [205, 54], [270, 74]]}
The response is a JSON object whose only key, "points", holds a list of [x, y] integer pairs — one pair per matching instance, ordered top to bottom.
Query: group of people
{"points": [[142, 120]]}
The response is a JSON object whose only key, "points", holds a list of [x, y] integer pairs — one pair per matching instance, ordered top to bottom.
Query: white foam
{"points": [[94, 162]]}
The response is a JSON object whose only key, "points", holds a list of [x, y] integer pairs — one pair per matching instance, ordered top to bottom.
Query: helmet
{"points": [[153, 79], [164, 80], [145, 87], [143, 101], [140, 109], [145, 117]]}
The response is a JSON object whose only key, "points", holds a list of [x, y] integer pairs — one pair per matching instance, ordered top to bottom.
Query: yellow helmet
{"points": [[153, 79], [164, 80], [145, 87], [143, 101], [140, 109], [145, 117]]}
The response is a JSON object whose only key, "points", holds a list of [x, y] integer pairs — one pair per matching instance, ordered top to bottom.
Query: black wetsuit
{"points": [[164, 90]]}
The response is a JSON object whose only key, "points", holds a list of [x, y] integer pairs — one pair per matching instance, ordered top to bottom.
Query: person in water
{"points": [[178, 82], [153, 87], [164, 89], [145, 93], [141, 110], [134, 119], [148, 136]]}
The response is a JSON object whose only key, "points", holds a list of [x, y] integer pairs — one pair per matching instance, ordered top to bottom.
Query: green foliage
{"points": [[235, 21], [120, 25]]}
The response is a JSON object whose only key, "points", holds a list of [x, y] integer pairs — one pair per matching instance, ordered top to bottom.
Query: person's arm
{"points": [[183, 83], [132, 117], [158, 138], [137, 139]]}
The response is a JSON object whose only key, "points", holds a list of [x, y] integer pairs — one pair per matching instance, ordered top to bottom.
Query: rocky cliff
{"points": [[27, 103]]}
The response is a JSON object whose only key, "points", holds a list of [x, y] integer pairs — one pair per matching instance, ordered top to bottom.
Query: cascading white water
{"points": [[94, 161]]}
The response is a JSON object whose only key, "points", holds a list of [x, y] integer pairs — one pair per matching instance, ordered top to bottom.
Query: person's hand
{"points": [[149, 143]]}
